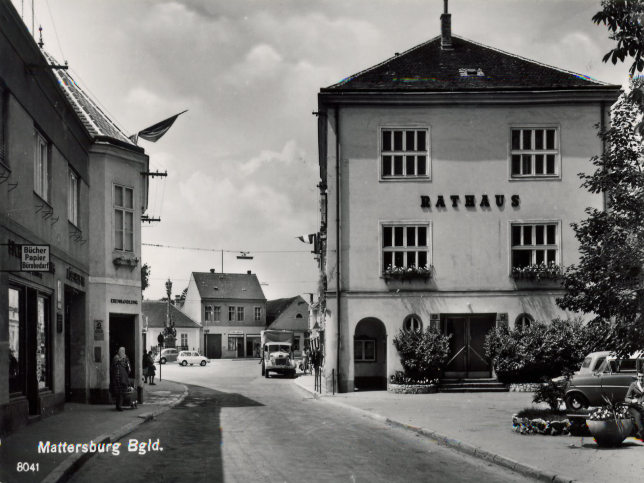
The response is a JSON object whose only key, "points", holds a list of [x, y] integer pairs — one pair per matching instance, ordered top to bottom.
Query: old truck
{"points": [[277, 352]]}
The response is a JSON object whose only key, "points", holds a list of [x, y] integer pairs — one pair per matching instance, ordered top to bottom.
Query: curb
{"points": [[455, 444], [72, 463]]}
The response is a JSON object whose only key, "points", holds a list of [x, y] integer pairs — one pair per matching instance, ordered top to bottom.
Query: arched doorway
{"points": [[370, 354]]}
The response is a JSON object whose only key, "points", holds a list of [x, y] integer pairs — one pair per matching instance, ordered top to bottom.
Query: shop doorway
{"points": [[74, 316], [122, 335], [213, 346], [252, 346], [370, 354], [467, 356]]}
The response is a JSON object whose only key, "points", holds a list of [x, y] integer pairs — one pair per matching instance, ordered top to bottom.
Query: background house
{"points": [[231, 308], [290, 314], [189, 332]]}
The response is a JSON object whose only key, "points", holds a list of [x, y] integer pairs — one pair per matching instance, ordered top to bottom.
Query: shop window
{"points": [[534, 152], [404, 153], [41, 166], [72, 196], [123, 218], [535, 244], [405, 246], [208, 313], [217, 313], [240, 313], [258, 313], [231, 314], [523, 321], [412, 323], [16, 342], [233, 342], [42, 345], [364, 350]]}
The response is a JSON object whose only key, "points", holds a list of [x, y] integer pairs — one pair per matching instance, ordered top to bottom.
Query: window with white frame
{"points": [[535, 152], [404, 153], [41, 166], [72, 196], [123, 218], [535, 244], [405, 245], [208, 313], [217, 313], [240, 313], [258, 313], [231, 314], [523, 321], [184, 340], [364, 350]]}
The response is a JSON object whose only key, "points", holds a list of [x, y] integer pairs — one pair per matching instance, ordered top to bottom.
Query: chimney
{"points": [[446, 29], [212, 270], [248, 272]]}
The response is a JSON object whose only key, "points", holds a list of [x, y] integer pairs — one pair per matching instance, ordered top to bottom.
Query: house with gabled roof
{"points": [[448, 183], [231, 307], [159, 314], [290, 314]]}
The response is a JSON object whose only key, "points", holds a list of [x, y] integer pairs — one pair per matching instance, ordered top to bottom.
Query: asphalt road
{"points": [[236, 426]]}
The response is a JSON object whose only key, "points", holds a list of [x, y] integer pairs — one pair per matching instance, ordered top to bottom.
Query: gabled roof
{"points": [[427, 67], [97, 123], [241, 286], [156, 314], [276, 318]]}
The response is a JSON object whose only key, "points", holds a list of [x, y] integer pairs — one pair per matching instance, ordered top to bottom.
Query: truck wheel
{"points": [[263, 370], [266, 374]]}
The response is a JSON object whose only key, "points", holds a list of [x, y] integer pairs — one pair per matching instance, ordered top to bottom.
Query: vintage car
{"points": [[167, 355], [191, 357], [610, 380]]}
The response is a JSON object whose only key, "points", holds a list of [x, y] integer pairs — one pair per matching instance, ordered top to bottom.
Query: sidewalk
{"points": [[79, 423], [480, 424]]}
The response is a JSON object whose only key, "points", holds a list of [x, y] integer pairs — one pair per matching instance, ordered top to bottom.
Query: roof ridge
{"points": [[532, 61], [348, 78]]}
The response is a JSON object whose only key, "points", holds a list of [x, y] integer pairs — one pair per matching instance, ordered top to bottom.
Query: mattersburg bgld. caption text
{"points": [[132, 446]]}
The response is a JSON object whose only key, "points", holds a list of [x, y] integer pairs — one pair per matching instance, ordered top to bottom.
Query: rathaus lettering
{"points": [[468, 201]]}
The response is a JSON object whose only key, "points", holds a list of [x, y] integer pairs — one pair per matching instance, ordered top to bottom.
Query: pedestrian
{"points": [[144, 365], [151, 369], [119, 377], [635, 398]]}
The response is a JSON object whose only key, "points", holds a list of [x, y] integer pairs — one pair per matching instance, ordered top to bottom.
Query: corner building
{"points": [[448, 172]]}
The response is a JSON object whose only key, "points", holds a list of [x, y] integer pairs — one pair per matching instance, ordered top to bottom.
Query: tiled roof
{"points": [[469, 66], [95, 120], [228, 286], [275, 308], [156, 314]]}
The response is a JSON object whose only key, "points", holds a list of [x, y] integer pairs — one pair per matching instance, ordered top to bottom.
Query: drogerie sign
{"points": [[35, 258]]}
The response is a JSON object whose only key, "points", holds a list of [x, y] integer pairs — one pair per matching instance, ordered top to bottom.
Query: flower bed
{"points": [[525, 387], [412, 388], [540, 426]]}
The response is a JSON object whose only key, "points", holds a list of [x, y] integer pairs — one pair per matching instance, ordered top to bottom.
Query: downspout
{"points": [[602, 126], [338, 238]]}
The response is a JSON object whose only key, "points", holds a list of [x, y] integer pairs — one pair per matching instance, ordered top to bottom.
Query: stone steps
{"points": [[471, 385]]}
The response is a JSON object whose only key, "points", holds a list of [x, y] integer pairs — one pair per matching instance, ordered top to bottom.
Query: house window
{"points": [[535, 152], [404, 153], [41, 166], [72, 197], [123, 218], [534, 244], [405, 246], [208, 313], [217, 313], [231, 313], [240, 313], [258, 313], [523, 321], [412, 323], [184, 340], [16, 342], [296, 344], [364, 350]]}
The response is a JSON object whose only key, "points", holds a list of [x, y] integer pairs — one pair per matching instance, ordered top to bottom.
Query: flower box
{"points": [[538, 272], [407, 273]]}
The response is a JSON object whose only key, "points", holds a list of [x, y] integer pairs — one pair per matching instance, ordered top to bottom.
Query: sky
{"points": [[242, 162]]}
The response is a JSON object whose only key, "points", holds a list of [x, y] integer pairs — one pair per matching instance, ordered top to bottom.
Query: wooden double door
{"points": [[467, 355]]}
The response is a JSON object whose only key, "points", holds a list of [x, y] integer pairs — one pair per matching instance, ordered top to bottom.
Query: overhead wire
{"points": [[160, 245]]}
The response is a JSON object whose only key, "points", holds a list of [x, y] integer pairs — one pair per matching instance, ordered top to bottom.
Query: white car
{"points": [[191, 357]]}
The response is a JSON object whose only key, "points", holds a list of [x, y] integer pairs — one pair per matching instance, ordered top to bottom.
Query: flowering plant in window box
{"points": [[541, 271], [407, 273]]}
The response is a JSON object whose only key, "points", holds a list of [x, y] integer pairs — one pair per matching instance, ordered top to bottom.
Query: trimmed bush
{"points": [[423, 355]]}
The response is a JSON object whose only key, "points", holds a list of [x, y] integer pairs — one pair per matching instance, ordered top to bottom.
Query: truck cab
{"points": [[278, 358]]}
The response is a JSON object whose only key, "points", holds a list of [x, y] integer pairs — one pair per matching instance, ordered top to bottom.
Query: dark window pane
{"points": [[516, 137], [409, 138], [527, 139], [538, 139], [550, 139], [386, 140], [398, 140], [421, 141], [409, 161], [526, 161], [516, 164], [538, 164], [550, 164], [386, 165], [398, 165], [422, 165], [552, 229], [539, 234], [516, 235], [527, 235], [386, 236], [398, 236], [411, 236], [422, 236], [552, 256], [539, 257], [521, 258], [387, 259], [411, 259], [422, 259], [399, 260], [357, 350], [369, 350]]}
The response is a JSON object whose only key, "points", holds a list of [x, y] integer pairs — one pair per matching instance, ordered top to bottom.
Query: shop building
{"points": [[448, 173], [231, 308], [159, 314], [290, 314]]}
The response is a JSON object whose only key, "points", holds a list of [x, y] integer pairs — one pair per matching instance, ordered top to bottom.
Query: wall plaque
{"points": [[99, 333]]}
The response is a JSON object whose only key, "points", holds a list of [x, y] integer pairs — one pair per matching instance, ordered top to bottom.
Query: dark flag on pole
{"points": [[156, 131]]}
